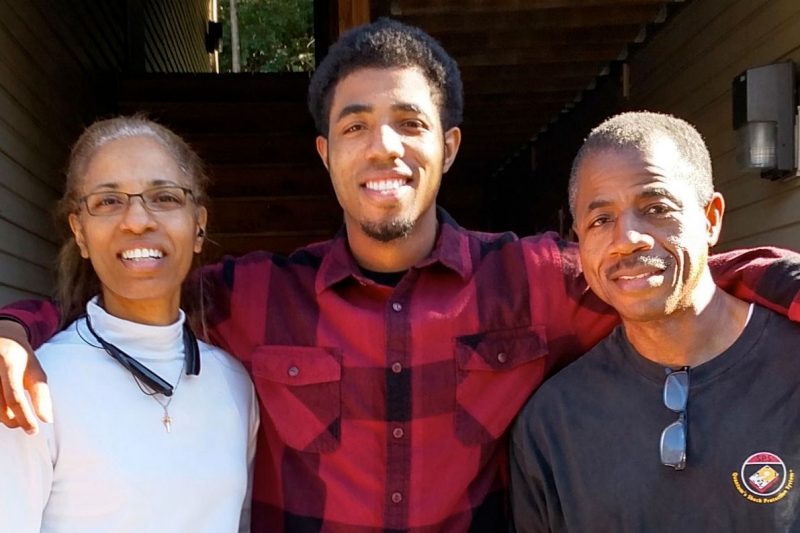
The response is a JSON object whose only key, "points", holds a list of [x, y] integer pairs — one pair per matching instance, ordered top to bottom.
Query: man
{"points": [[391, 360], [685, 418]]}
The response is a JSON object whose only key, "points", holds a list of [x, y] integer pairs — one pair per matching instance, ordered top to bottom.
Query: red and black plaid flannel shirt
{"points": [[386, 409]]}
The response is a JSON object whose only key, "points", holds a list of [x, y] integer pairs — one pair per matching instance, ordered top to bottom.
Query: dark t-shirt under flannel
{"points": [[585, 451]]}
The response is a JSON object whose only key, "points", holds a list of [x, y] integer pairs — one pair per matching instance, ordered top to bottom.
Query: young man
{"points": [[391, 360], [685, 417]]}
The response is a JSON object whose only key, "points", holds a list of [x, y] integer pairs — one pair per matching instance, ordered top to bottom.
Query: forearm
{"points": [[767, 276], [39, 318], [23, 383]]}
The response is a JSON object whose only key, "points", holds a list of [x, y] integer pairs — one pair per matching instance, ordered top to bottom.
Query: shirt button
{"points": [[397, 306], [502, 357], [397, 368], [293, 371], [398, 433], [397, 497]]}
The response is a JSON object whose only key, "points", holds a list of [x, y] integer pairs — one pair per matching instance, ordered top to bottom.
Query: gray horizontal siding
{"points": [[174, 34], [58, 65], [687, 70]]}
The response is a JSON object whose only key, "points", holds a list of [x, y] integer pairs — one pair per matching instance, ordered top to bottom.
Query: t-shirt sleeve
{"points": [[27, 478], [534, 501]]}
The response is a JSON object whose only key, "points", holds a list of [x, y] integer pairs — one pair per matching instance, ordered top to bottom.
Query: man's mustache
{"points": [[639, 260]]}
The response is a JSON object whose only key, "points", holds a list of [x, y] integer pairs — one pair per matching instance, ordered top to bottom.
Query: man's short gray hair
{"points": [[637, 130]]}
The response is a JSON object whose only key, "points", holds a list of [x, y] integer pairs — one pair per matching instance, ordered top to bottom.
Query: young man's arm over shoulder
{"points": [[767, 276], [26, 325]]}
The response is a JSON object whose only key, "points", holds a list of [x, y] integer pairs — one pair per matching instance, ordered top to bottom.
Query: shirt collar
{"points": [[451, 250], [143, 341]]}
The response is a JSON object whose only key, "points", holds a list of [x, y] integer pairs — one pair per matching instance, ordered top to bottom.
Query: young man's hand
{"points": [[20, 372]]}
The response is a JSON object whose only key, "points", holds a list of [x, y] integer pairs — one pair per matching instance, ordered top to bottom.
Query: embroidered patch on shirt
{"points": [[763, 478]]}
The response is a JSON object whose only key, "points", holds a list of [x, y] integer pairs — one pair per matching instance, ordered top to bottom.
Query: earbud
{"points": [[201, 232]]}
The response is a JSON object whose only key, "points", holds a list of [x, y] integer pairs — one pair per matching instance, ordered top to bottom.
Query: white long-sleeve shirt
{"points": [[107, 462]]}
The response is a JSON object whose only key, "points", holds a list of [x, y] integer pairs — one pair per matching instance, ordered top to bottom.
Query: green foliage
{"points": [[274, 35]]}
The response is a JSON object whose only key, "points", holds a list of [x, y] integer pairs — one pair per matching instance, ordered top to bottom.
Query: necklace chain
{"points": [[166, 419]]}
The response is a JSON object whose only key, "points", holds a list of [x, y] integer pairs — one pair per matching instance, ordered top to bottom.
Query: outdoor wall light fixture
{"points": [[214, 37], [764, 117]]}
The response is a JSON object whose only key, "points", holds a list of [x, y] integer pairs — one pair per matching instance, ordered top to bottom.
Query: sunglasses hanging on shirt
{"points": [[143, 374], [674, 436]]}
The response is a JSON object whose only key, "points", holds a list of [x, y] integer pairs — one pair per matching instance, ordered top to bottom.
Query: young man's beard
{"points": [[388, 231]]}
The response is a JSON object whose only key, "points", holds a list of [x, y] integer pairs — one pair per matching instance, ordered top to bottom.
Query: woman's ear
{"points": [[77, 231], [200, 235]]}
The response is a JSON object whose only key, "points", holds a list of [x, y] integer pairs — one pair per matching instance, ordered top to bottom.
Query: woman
{"points": [[143, 440]]}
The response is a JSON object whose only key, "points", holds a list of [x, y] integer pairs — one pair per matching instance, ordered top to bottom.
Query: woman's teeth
{"points": [[142, 253]]}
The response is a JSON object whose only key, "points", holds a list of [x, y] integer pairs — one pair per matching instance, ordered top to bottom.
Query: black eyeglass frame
{"points": [[147, 204], [674, 437]]}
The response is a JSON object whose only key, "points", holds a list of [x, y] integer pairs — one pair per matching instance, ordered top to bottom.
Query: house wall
{"points": [[174, 35], [51, 53], [58, 70], [687, 70]]}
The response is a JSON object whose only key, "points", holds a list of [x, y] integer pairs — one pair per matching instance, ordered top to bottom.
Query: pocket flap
{"points": [[500, 349], [297, 365]]}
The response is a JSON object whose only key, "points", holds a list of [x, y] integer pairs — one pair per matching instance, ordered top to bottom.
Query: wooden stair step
{"points": [[250, 87], [224, 117], [262, 148], [269, 180], [269, 190], [275, 214], [240, 243]]}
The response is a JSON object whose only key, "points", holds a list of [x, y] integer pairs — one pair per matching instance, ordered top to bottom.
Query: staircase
{"points": [[270, 191]]}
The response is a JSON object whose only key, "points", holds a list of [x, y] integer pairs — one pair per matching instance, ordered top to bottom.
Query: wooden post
{"points": [[326, 13], [352, 13], [333, 17], [234, 19]]}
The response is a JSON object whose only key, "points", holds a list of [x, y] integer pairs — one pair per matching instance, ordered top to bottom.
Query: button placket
{"points": [[398, 404]]}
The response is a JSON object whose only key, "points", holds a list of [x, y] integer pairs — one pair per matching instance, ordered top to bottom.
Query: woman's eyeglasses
{"points": [[109, 203], [673, 438]]}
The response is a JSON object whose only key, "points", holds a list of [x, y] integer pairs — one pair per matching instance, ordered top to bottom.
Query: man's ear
{"points": [[452, 140], [322, 150], [714, 212], [77, 231]]}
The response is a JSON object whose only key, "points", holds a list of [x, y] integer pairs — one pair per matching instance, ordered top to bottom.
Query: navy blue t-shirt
{"points": [[585, 450]]}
